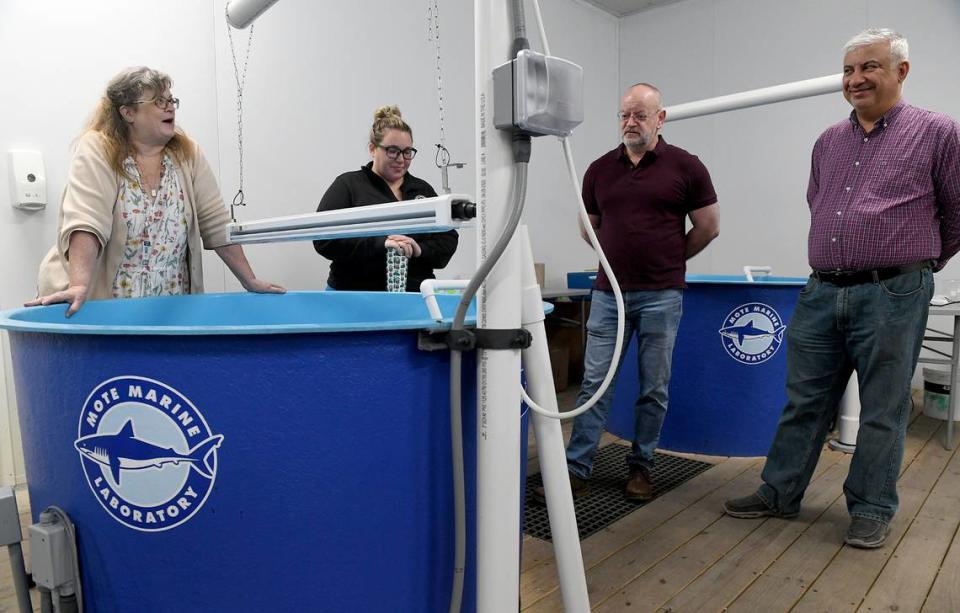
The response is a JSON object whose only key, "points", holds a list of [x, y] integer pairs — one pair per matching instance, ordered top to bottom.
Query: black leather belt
{"points": [[856, 277]]}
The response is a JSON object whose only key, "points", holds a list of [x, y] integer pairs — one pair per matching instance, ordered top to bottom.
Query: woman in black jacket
{"points": [[360, 264]]}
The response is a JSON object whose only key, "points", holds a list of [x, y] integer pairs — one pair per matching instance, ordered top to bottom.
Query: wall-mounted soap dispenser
{"points": [[28, 180]]}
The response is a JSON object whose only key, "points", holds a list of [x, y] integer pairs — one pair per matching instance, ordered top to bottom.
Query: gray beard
{"points": [[638, 144]]}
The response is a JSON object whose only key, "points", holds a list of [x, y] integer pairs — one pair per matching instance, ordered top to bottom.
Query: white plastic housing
{"points": [[539, 94], [28, 180], [9, 517], [51, 555]]}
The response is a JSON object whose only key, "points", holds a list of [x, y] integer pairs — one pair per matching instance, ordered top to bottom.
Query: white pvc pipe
{"points": [[241, 13], [540, 28], [756, 97], [749, 270], [429, 288], [498, 372], [849, 417], [550, 447]]}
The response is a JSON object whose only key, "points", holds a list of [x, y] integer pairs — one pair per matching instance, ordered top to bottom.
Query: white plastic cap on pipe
{"points": [[241, 13], [756, 97], [749, 270], [428, 289]]}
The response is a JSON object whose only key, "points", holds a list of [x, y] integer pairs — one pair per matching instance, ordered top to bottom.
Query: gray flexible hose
{"points": [[519, 29], [517, 199], [459, 498], [72, 537], [46, 600]]}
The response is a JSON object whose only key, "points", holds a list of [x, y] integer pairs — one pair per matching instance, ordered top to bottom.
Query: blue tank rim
{"points": [[759, 280], [51, 319]]}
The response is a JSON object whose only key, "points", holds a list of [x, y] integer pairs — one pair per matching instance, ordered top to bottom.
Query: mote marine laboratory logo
{"points": [[752, 333], [149, 456]]}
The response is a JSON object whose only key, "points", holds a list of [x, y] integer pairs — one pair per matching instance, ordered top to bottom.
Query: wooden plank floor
{"points": [[681, 553]]}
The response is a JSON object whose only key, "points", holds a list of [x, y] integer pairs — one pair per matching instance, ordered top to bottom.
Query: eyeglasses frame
{"points": [[399, 152]]}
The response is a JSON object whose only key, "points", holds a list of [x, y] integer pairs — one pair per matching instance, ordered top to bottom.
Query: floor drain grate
{"points": [[605, 503]]}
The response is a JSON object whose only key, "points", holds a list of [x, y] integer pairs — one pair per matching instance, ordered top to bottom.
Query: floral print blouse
{"points": [[155, 256]]}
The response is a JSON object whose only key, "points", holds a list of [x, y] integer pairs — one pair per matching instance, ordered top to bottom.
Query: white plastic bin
{"points": [[936, 393]]}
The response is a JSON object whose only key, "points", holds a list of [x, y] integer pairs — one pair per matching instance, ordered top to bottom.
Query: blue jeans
{"points": [[654, 316], [875, 328]]}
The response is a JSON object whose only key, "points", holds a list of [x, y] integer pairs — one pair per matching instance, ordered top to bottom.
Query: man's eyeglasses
{"points": [[161, 102], [637, 117], [395, 152]]}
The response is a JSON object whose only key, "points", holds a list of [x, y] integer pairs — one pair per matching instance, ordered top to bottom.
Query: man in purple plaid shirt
{"points": [[884, 199]]}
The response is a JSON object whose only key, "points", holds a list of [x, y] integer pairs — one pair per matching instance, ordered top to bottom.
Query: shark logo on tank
{"points": [[752, 333], [147, 452]]}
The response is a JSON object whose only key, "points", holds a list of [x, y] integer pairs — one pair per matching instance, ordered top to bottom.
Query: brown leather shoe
{"points": [[578, 487], [638, 488]]}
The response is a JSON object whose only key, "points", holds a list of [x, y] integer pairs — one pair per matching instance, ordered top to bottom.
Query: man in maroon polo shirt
{"points": [[638, 198], [884, 198]]}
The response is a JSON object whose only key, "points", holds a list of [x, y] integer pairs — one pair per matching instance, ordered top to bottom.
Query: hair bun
{"points": [[385, 112]]}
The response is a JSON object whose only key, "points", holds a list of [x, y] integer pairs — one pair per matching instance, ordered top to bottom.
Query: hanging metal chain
{"points": [[433, 30], [442, 159], [238, 199]]}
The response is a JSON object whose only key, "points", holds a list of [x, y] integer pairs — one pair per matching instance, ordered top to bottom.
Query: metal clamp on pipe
{"points": [[488, 338]]}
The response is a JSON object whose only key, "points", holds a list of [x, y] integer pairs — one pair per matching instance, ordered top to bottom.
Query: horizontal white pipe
{"points": [[241, 13], [756, 97], [428, 289]]}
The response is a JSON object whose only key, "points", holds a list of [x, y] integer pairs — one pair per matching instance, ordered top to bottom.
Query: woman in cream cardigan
{"points": [[140, 204]]}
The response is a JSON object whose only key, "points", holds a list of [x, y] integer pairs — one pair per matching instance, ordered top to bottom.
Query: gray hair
{"points": [[899, 50], [128, 86], [125, 89]]}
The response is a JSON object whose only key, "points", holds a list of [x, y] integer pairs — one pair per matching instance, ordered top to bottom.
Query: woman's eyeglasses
{"points": [[162, 103], [395, 152]]}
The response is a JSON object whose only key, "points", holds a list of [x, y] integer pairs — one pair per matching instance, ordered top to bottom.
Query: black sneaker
{"points": [[578, 487], [752, 506], [866, 533]]}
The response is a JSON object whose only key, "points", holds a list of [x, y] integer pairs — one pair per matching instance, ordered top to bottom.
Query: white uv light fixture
{"points": [[539, 94], [28, 180], [421, 216]]}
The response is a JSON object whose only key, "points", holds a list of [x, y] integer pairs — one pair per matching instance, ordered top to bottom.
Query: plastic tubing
{"points": [[588, 227]]}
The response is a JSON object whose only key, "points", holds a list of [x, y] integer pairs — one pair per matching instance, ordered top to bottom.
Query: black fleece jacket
{"points": [[360, 264]]}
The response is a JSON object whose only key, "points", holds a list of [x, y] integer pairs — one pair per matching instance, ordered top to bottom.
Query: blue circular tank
{"points": [[729, 367], [244, 452]]}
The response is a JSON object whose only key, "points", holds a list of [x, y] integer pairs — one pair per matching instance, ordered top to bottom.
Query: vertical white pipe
{"points": [[498, 372], [849, 417], [550, 447]]}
